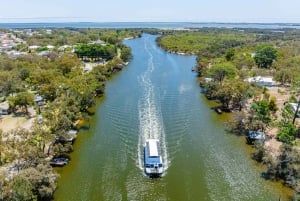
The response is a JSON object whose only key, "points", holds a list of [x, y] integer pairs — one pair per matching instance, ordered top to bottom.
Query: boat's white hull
{"points": [[154, 172]]}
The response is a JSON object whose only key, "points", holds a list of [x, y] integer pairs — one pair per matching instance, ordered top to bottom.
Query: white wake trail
{"points": [[150, 116]]}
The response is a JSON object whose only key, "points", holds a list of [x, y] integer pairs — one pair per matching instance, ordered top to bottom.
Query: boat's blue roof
{"points": [[152, 155], [152, 160]]}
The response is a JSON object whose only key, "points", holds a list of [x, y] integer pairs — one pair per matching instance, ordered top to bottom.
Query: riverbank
{"points": [[227, 58], [60, 92], [163, 98]]}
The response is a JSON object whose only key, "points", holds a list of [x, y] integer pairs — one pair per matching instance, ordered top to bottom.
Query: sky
{"points": [[262, 11]]}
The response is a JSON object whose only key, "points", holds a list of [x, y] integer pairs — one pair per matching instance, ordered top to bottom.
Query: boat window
{"points": [[160, 165]]}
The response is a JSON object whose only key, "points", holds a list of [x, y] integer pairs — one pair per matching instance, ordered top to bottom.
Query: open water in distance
{"points": [[161, 25], [157, 95]]}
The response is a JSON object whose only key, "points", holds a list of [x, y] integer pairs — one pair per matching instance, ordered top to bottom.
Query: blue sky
{"points": [[150, 10]]}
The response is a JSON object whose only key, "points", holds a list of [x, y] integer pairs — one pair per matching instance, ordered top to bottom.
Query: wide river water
{"points": [[157, 96]]}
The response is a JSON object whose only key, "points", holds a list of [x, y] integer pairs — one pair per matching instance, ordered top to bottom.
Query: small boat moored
{"points": [[218, 110], [255, 136], [153, 161], [59, 162]]}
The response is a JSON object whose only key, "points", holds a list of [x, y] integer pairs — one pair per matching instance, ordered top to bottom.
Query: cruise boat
{"points": [[153, 161]]}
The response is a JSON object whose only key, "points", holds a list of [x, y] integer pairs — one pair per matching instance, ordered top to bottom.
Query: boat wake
{"points": [[150, 116]]}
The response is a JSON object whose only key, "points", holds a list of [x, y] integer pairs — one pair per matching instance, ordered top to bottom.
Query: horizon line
{"points": [[196, 22]]}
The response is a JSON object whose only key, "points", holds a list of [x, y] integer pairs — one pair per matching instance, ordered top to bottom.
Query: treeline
{"points": [[73, 36], [95, 51], [225, 58], [68, 93]]}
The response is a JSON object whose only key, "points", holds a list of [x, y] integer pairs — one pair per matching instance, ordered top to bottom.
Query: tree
{"points": [[125, 53], [229, 54], [264, 56], [243, 60], [66, 62], [202, 64], [221, 71], [24, 73], [284, 76], [49, 91], [241, 93], [225, 94], [22, 99], [86, 100], [272, 105], [262, 111], [287, 114], [287, 133], [30, 184], [22, 189]]}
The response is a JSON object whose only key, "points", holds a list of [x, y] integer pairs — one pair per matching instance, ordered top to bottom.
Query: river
{"points": [[157, 95]]}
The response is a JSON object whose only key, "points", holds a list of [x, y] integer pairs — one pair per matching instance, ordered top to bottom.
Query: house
{"points": [[49, 31], [100, 42], [261, 81], [4, 108]]}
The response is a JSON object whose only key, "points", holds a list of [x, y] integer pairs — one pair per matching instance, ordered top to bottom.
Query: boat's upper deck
{"points": [[153, 147], [152, 152]]}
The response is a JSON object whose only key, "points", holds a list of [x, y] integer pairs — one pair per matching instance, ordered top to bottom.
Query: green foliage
{"points": [[206, 42], [95, 51], [126, 53], [229, 54], [264, 56], [243, 60], [66, 62], [221, 71], [24, 73], [284, 76], [49, 91], [68, 91], [242, 92], [225, 94], [230, 94], [22, 99], [87, 100], [272, 105], [262, 111], [287, 133], [259, 153], [286, 166], [30, 184], [22, 190]]}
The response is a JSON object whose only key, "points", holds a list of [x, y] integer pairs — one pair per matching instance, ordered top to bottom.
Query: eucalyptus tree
{"points": [[265, 55], [221, 71], [285, 76], [22, 99]]}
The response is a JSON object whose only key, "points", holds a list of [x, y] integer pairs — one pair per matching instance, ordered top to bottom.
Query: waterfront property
{"points": [[261, 81]]}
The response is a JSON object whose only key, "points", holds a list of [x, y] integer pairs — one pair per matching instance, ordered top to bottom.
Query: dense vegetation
{"points": [[225, 58], [68, 92]]}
